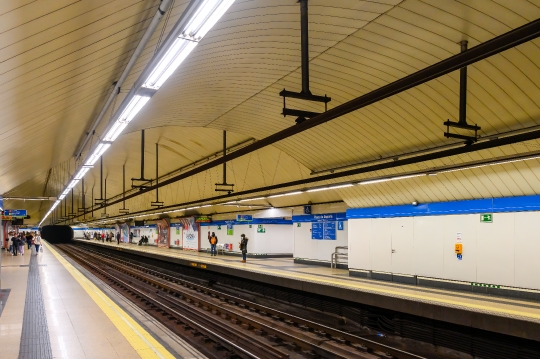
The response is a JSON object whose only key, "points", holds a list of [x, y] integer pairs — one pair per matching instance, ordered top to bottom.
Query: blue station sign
{"points": [[15, 212]]}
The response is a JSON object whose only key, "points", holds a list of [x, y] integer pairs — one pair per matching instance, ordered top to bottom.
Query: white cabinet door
{"points": [[402, 229], [381, 244]]}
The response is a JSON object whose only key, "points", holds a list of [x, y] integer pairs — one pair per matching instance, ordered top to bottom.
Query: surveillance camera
{"points": [[414, 203]]}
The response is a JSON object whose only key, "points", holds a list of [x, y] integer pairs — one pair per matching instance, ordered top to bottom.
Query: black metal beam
{"points": [[304, 39], [482, 51]]}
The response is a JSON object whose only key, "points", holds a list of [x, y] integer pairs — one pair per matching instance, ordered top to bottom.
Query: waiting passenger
{"points": [[130, 237], [118, 238], [29, 239], [37, 243], [213, 243], [10, 244], [15, 244], [21, 244], [243, 247]]}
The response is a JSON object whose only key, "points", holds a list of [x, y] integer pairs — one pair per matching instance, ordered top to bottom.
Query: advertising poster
{"points": [[230, 230], [124, 232], [163, 232], [190, 234]]}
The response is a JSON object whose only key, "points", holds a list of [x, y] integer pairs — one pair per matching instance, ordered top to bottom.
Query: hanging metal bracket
{"points": [[462, 123]]}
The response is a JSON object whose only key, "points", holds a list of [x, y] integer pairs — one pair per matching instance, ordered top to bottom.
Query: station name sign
{"points": [[15, 213]]}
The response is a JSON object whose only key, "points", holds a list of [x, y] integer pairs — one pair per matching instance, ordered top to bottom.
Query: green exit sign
{"points": [[486, 218]]}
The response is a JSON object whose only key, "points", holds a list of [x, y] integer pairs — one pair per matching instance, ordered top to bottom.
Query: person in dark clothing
{"points": [[117, 237], [130, 237], [29, 239], [15, 242], [213, 243], [243, 247]]}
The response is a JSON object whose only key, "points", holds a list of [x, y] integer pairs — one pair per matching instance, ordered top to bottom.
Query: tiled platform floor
{"points": [[78, 327]]}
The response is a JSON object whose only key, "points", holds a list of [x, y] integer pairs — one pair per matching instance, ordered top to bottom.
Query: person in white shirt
{"points": [[37, 243]]}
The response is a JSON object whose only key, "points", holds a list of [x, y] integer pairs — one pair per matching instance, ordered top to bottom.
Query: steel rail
{"points": [[482, 51], [217, 337], [398, 353]]}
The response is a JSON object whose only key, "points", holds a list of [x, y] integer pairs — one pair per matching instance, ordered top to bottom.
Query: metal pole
{"points": [[163, 7], [305, 45], [463, 89], [142, 154], [224, 154], [157, 173], [101, 177], [124, 185], [82, 199], [105, 199], [93, 201]]}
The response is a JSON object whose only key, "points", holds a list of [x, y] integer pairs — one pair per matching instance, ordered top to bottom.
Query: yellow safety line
{"points": [[423, 297], [143, 343]]}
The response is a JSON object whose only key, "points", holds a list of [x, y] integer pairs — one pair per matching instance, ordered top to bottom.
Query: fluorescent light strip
{"points": [[206, 17], [98, 152], [502, 162], [390, 179], [331, 187], [285, 194], [252, 199]]}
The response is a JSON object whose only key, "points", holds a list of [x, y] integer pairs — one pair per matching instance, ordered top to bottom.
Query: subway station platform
{"points": [[52, 308], [515, 317]]}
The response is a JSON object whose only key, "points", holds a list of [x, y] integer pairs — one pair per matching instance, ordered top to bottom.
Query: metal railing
{"points": [[337, 256]]}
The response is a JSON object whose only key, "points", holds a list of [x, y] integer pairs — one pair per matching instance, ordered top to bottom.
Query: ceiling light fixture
{"points": [[174, 52], [390, 179], [331, 187], [285, 194], [252, 199]]}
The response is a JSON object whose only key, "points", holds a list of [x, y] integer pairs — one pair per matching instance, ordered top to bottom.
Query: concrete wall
{"points": [[319, 250], [505, 252]]}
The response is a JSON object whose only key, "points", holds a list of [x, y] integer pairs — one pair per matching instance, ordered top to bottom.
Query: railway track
{"points": [[222, 325]]}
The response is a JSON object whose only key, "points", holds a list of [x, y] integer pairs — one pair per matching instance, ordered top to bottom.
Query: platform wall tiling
{"points": [[276, 239], [319, 250], [503, 251]]}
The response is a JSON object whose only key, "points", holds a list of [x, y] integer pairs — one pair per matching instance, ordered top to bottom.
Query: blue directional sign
{"points": [[15, 212], [244, 217], [340, 226], [323, 230], [459, 256]]}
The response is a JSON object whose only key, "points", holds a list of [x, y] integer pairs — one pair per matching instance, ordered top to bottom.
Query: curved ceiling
{"points": [[58, 61]]}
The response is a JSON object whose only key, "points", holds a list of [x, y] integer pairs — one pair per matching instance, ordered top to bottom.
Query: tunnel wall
{"points": [[57, 234]]}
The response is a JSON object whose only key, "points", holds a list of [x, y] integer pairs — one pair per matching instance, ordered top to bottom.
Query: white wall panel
{"points": [[429, 233], [359, 235], [303, 244], [381, 244], [403, 245], [495, 245], [325, 248], [527, 250], [464, 269]]}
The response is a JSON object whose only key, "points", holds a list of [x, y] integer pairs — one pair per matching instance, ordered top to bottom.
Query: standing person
{"points": [[103, 237], [130, 237], [118, 238], [29, 239], [10, 243], [37, 243], [213, 243], [15, 244], [21, 244], [243, 247]]}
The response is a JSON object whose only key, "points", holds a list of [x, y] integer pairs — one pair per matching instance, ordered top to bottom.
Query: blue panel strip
{"points": [[491, 205], [320, 217], [255, 221]]}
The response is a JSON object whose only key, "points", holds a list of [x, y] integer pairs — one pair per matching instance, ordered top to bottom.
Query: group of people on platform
{"points": [[104, 237], [213, 240], [17, 241]]}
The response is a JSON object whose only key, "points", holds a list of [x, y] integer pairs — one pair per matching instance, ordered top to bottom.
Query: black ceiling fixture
{"points": [[305, 94], [462, 123], [144, 182], [225, 187], [157, 203], [123, 210]]}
